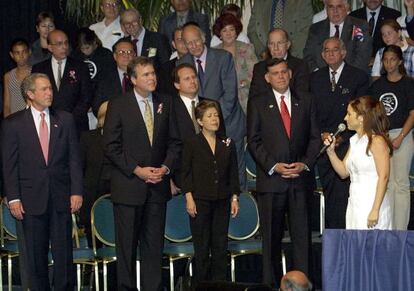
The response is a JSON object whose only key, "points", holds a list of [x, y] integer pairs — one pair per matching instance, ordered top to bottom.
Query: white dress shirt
{"points": [[377, 12], [332, 29], [203, 59], [338, 72], [288, 99], [187, 102]]}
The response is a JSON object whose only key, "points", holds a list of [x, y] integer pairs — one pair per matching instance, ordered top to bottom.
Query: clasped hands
{"points": [[289, 171], [150, 174]]}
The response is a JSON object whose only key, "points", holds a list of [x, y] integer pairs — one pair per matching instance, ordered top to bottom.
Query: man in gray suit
{"points": [[181, 15], [295, 18], [353, 32], [218, 81]]}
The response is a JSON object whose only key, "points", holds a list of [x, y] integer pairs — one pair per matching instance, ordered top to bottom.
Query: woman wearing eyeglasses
{"points": [[45, 23]]}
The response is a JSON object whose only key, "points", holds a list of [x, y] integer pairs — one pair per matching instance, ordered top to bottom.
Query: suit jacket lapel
{"points": [[346, 35], [49, 72], [271, 105], [158, 110], [294, 112], [183, 113], [54, 133]]}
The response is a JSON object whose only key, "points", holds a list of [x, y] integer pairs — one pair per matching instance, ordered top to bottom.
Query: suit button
{"points": [[214, 162], [215, 172], [215, 182]]}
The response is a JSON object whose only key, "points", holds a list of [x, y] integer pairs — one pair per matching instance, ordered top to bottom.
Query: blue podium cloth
{"points": [[367, 260]]}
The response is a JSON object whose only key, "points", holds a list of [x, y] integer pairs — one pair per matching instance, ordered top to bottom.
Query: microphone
{"points": [[341, 128]]}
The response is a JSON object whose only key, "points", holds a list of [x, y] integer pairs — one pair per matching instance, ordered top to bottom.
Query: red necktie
{"points": [[124, 83], [284, 112], [44, 136]]}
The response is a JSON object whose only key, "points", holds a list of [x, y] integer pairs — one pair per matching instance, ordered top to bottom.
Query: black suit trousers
{"points": [[335, 190], [272, 210], [144, 224], [56, 227], [209, 229]]}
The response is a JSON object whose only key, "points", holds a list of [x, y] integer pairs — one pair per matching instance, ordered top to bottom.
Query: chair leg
{"points": [[322, 213], [283, 262], [190, 268], [232, 268], [9, 271], [1, 272], [171, 274], [138, 275], [78, 276], [96, 276], [105, 276]]}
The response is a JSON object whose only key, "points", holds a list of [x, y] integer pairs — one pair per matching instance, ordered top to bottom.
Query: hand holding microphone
{"points": [[329, 142]]}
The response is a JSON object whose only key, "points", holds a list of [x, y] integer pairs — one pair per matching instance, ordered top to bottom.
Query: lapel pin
{"points": [[296, 104], [271, 106], [55, 125]]}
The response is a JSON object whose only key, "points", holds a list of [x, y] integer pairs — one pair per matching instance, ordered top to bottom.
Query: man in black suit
{"points": [[375, 13], [182, 14], [353, 32], [147, 43], [278, 45], [165, 80], [115, 82], [333, 87], [72, 90], [184, 103], [283, 138], [142, 142], [43, 181]]}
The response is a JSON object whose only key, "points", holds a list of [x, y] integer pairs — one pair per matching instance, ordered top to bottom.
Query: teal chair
{"points": [[241, 230], [177, 235], [9, 247]]}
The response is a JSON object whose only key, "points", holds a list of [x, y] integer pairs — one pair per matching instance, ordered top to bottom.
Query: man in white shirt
{"points": [[109, 29]]}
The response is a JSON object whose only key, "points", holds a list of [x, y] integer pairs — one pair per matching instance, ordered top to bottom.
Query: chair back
{"points": [[250, 163], [102, 221], [8, 222], [177, 223], [246, 223]]}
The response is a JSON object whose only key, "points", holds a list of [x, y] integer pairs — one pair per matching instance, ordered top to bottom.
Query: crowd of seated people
{"points": [[199, 92]]}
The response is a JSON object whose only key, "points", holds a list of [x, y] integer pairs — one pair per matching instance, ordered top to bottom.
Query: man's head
{"points": [[373, 4], [181, 5], [110, 9], [337, 10], [131, 22], [194, 39], [88, 41], [178, 42], [278, 43], [58, 44], [20, 51], [123, 52], [333, 52], [142, 74], [278, 74], [186, 80], [37, 89], [295, 281]]}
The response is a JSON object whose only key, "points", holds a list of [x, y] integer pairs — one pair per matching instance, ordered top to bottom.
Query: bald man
{"points": [[295, 281]]}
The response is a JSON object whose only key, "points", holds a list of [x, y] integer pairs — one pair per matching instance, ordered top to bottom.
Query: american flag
{"points": [[357, 33]]}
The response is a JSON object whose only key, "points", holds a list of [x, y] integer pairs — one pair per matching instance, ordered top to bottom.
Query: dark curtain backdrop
{"points": [[17, 19]]}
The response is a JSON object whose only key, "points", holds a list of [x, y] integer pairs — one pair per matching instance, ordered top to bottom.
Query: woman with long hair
{"points": [[396, 91], [367, 163]]}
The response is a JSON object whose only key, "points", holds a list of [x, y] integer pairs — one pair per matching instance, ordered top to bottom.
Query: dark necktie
{"points": [[371, 23], [336, 30], [200, 73], [59, 76], [333, 80], [124, 83], [284, 112], [196, 127]]}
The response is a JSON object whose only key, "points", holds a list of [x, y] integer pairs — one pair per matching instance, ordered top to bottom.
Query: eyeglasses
{"points": [[110, 5], [130, 24], [49, 26], [61, 43], [277, 44], [331, 51], [126, 52]]}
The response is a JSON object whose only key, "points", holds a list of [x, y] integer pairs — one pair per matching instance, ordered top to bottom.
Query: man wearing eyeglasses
{"points": [[109, 29], [147, 43], [70, 79], [115, 81]]}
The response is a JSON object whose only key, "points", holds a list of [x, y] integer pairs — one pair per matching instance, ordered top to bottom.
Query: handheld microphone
{"points": [[341, 128]]}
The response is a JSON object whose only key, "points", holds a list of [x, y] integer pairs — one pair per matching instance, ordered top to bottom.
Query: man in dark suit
{"points": [[375, 13], [181, 15], [353, 32], [147, 43], [278, 45], [218, 81], [115, 82], [165, 84], [333, 86], [72, 90], [184, 103], [283, 138], [142, 142], [43, 181]]}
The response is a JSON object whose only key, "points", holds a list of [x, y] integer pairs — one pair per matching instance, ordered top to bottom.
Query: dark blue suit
{"points": [[44, 190]]}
